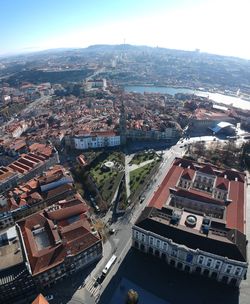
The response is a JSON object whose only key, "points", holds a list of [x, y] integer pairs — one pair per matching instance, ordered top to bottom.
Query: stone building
{"points": [[196, 222]]}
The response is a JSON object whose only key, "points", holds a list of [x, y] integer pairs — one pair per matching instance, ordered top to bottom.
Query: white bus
{"points": [[108, 266]]}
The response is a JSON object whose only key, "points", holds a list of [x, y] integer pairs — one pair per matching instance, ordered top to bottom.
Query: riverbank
{"points": [[216, 97]]}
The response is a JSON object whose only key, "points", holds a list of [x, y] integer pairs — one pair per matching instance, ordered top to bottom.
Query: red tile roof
{"points": [[207, 169], [188, 174], [228, 180], [222, 183], [162, 193], [236, 209], [64, 213], [71, 238], [40, 300]]}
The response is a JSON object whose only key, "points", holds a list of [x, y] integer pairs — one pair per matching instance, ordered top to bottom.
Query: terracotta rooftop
{"points": [[207, 169], [5, 174], [188, 174], [227, 180], [222, 183], [64, 213], [53, 242], [40, 300]]}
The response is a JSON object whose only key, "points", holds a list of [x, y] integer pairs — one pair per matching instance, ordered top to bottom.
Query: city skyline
{"points": [[218, 28]]}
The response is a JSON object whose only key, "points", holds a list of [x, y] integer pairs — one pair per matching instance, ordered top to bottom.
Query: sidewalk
{"points": [[83, 295]]}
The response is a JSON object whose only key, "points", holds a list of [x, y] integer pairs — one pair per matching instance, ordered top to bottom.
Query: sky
{"points": [[213, 26]]}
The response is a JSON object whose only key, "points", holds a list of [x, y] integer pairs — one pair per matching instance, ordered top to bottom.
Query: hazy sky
{"points": [[215, 26]]}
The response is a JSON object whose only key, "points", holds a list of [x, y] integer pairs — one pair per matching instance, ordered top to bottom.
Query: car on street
{"points": [[142, 199], [111, 230], [99, 280], [49, 297]]}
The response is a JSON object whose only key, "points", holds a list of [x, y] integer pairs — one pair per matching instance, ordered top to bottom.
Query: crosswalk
{"points": [[94, 291]]}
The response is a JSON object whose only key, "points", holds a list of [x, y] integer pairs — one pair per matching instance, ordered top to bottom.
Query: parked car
{"points": [[49, 297]]}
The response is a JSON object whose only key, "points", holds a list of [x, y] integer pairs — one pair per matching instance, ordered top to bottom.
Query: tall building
{"points": [[196, 222]]}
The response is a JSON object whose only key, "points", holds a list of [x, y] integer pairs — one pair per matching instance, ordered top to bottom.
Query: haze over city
{"points": [[212, 26]]}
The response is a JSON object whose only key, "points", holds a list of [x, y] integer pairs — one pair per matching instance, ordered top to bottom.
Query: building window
{"points": [[136, 235], [143, 237], [151, 240], [158, 243], [165, 246], [174, 252], [189, 258], [200, 259], [209, 262], [217, 265], [229, 268], [238, 271], [214, 275], [224, 279], [233, 282]]}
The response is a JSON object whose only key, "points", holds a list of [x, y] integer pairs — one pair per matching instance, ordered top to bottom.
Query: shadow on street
{"points": [[156, 277], [64, 290]]}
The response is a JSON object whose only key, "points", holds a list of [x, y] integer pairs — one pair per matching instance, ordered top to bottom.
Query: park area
{"points": [[143, 157], [107, 172], [140, 175]]}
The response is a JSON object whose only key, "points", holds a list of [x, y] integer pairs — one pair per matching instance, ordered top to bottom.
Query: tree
{"points": [[200, 148], [132, 297]]}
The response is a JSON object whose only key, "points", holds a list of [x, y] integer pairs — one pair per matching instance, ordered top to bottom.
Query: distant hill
{"points": [[113, 48]]}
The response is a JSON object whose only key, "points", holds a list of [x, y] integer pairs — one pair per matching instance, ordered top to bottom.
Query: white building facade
{"points": [[96, 141], [220, 268]]}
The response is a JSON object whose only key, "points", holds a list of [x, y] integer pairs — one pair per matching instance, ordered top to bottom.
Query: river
{"points": [[219, 98]]}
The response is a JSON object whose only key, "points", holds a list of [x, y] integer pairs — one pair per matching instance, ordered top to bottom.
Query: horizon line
{"points": [[39, 50]]}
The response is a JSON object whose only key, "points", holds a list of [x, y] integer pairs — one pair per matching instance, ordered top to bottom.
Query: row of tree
{"points": [[222, 154]]}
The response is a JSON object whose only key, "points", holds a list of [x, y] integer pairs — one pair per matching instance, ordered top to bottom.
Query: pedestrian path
{"points": [[134, 166], [94, 291]]}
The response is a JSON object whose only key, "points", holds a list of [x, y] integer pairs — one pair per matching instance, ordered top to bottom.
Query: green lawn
{"points": [[142, 157], [138, 176], [107, 182]]}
